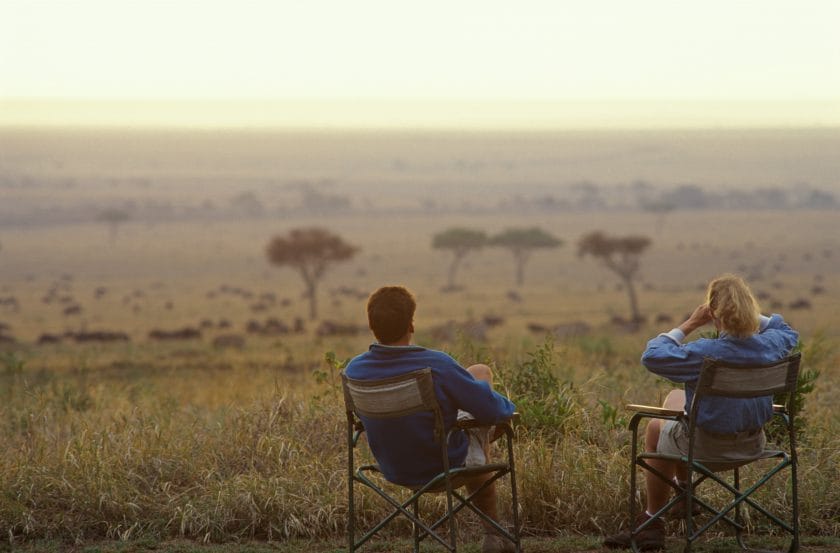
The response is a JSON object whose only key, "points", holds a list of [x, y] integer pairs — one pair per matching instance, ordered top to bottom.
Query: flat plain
{"points": [[213, 439]]}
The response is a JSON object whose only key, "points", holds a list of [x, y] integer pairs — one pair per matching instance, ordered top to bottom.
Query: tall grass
{"points": [[190, 443]]}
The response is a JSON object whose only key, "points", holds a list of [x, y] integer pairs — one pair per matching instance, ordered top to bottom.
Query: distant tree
{"points": [[588, 196], [688, 196], [771, 197], [818, 199], [248, 203], [320, 203], [660, 209], [113, 218], [460, 241], [521, 242], [311, 251], [621, 256]]}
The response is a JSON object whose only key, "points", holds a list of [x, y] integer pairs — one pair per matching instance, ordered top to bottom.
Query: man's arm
{"points": [[476, 396]]}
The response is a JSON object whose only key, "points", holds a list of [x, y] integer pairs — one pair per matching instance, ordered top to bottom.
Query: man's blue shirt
{"points": [[668, 357], [405, 448]]}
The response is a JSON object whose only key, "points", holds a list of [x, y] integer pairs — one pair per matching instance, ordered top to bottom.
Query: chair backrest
{"points": [[719, 378], [393, 397]]}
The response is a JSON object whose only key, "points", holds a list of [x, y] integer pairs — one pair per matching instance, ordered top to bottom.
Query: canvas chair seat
{"points": [[717, 465], [459, 476]]}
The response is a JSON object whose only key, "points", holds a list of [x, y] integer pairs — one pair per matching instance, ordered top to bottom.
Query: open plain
{"points": [[161, 380]]}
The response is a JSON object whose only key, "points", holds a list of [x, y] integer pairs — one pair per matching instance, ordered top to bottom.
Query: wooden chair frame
{"points": [[726, 380], [398, 397]]}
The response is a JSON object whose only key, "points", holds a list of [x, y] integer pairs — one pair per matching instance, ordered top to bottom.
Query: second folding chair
{"points": [[735, 381]]}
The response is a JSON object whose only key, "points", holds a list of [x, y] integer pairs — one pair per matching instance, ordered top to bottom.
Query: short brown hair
{"points": [[390, 313]]}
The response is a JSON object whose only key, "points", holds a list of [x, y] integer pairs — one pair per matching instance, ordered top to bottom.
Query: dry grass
{"points": [[250, 451]]}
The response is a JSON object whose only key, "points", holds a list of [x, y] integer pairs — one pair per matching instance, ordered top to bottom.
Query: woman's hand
{"points": [[702, 315]]}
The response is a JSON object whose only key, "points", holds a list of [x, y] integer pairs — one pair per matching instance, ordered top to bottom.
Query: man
{"points": [[405, 448]]}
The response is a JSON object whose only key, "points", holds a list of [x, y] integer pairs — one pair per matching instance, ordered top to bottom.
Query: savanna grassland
{"points": [[233, 432]]}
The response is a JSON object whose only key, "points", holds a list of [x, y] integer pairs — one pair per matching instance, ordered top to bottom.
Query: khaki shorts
{"points": [[477, 446], [743, 446]]}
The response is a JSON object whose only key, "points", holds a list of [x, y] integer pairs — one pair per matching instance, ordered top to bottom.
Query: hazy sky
{"points": [[780, 57]]}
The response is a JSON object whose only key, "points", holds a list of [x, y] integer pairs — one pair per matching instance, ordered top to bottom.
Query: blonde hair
{"points": [[733, 305]]}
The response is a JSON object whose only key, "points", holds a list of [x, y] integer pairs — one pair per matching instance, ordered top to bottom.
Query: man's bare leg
{"points": [[486, 500]]}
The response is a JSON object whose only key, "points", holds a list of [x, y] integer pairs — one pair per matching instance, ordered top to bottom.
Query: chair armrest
{"points": [[779, 408], [654, 410], [469, 422], [501, 428]]}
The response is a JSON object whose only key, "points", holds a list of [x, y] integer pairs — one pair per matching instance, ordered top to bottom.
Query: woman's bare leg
{"points": [[658, 491]]}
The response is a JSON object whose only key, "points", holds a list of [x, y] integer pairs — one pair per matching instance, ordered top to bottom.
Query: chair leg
{"points": [[633, 462], [736, 483], [514, 496], [689, 505], [351, 507], [416, 508], [351, 517], [350, 525], [453, 528], [794, 545]]}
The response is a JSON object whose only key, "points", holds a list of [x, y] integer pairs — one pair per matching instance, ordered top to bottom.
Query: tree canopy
{"points": [[526, 238], [460, 241], [522, 242], [598, 244], [311, 251]]}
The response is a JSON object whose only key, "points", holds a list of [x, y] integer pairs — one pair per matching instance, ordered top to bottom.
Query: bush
{"points": [[544, 402]]}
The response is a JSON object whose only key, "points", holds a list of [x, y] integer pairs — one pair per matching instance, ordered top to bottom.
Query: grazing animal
{"points": [[800, 303], [664, 318], [492, 320], [271, 327], [332, 328], [537, 328], [186, 333], [101, 336], [229, 341]]}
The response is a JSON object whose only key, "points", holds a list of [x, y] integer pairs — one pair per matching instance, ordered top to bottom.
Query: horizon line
{"points": [[418, 113]]}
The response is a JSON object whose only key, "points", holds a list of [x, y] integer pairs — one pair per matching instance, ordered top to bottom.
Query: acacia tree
{"points": [[660, 209], [113, 218], [460, 241], [522, 242], [311, 251], [620, 254]]}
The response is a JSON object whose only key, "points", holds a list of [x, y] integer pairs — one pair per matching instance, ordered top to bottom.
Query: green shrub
{"points": [[815, 353], [544, 402]]}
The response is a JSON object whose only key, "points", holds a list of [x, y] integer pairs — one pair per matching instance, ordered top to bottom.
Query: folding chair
{"points": [[735, 381], [399, 397]]}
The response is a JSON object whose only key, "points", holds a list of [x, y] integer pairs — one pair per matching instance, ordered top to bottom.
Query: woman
{"points": [[728, 428]]}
